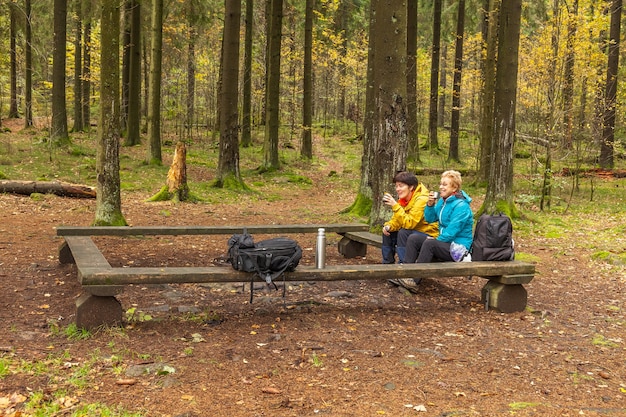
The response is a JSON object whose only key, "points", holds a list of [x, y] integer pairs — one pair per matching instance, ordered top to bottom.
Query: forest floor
{"points": [[333, 348]]}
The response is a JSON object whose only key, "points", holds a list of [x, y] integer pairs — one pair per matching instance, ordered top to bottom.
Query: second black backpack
{"points": [[493, 239]]}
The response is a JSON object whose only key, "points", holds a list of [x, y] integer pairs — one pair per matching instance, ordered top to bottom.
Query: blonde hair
{"points": [[455, 178]]}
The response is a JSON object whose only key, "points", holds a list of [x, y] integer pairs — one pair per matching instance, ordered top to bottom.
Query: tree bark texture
{"points": [[492, 16], [126, 20], [192, 38], [28, 71], [568, 73], [411, 80], [86, 81], [307, 85], [154, 100], [13, 111], [229, 112], [246, 117], [272, 120], [79, 124], [133, 125], [58, 130], [608, 131], [389, 133], [433, 141], [453, 152], [365, 185], [499, 196], [108, 201]]}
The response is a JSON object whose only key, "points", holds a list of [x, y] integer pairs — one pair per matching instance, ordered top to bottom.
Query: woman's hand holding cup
{"points": [[432, 198], [389, 200]]}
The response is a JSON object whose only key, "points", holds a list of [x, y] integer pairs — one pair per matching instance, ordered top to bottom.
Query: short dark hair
{"points": [[405, 177]]}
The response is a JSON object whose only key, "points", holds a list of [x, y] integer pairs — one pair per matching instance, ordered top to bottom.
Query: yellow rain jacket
{"points": [[411, 216]]}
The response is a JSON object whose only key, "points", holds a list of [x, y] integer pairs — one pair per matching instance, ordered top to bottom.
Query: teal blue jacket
{"points": [[455, 217]]}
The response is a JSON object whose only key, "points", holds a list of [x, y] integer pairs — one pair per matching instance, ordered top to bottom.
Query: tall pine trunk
{"points": [[192, 37], [490, 40], [411, 80], [28, 83], [307, 85], [154, 99], [13, 111], [79, 124], [133, 125], [58, 130], [608, 131], [389, 134], [433, 141], [453, 153], [271, 161], [228, 166], [499, 196], [108, 198]]}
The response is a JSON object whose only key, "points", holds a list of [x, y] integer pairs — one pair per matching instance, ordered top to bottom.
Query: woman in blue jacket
{"points": [[456, 221]]}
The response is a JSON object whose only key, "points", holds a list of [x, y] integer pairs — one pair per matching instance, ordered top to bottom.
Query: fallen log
{"points": [[62, 189]]}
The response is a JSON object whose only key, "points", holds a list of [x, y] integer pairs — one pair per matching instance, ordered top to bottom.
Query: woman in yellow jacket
{"points": [[408, 216]]}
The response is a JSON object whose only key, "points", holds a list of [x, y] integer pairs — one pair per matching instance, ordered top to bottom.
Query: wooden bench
{"points": [[354, 244], [504, 290]]}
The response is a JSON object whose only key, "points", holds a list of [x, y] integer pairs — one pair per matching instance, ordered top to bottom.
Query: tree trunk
{"points": [[492, 16], [341, 31], [192, 38], [125, 64], [568, 74], [411, 80], [86, 82], [28, 83], [307, 85], [443, 85], [154, 100], [13, 111], [550, 118], [246, 123], [79, 124], [133, 125], [58, 130], [608, 131], [389, 134], [433, 142], [453, 153], [271, 161], [228, 166], [499, 196], [108, 200], [363, 202]]}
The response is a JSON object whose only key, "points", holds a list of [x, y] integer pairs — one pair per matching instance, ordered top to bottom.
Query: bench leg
{"points": [[351, 249], [65, 254], [504, 298], [93, 311]]}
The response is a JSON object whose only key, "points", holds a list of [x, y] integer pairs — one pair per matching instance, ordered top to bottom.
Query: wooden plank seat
{"points": [[206, 230], [504, 290]]}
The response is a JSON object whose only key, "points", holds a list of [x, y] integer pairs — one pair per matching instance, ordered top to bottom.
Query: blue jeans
{"points": [[396, 243]]}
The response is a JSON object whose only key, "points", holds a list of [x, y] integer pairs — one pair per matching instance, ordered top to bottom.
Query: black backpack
{"points": [[493, 239], [268, 259]]}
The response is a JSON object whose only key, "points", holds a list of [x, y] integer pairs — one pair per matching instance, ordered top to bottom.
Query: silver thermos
{"points": [[320, 249]]}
